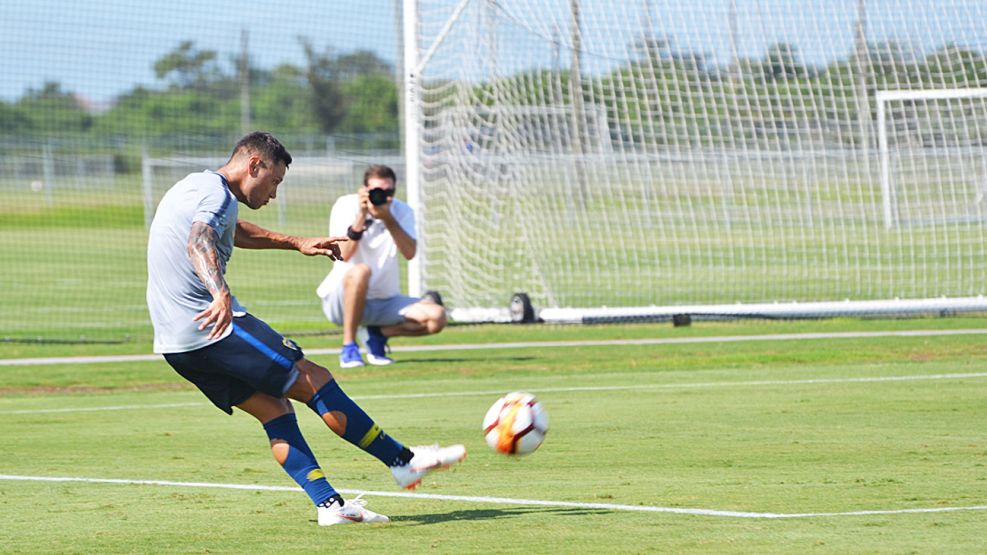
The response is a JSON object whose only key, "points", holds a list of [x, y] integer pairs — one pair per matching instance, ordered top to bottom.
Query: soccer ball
{"points": [[516, 424]]}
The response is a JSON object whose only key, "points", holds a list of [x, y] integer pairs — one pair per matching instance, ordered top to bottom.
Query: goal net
{"points": [[643, 159]]}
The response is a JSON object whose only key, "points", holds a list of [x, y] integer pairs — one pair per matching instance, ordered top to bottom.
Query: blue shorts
{"points": [[253, 358]]}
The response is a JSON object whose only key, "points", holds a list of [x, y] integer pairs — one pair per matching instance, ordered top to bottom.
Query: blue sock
{"points": [[360, 429], [300, 464]]}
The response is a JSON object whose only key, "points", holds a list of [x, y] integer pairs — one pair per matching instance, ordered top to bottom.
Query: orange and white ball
{"points": [[516, 424]]}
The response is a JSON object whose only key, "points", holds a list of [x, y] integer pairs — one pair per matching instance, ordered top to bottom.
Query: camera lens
{"points": [[378, 196]]}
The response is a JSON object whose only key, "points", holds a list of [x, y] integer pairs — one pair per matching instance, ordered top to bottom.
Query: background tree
{"points": [[782, 62], [187, 66], [954, 66], [326, 88], [352, 93], [282, 101], [372, 104], [54, 111], [13, 120]]}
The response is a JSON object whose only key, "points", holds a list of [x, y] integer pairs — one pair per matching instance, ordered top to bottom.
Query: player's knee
{"points": [[315, 371], [311, 378]]}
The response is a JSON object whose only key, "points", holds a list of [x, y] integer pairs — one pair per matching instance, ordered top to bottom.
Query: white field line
{"points": [[538, 345], [574, 389], [106, 408], [504, 500]]}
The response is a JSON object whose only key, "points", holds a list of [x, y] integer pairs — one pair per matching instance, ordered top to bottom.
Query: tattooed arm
{"points": [[253, 236], [204, 255]]}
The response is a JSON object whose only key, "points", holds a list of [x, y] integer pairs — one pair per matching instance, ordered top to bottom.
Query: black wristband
{"points": [[354, 235]]}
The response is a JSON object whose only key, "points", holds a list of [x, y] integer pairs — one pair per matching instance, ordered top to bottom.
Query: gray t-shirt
{"points": [[175, 294]]}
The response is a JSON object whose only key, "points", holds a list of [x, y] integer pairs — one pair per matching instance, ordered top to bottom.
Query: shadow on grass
{"points": [[491, 514]]}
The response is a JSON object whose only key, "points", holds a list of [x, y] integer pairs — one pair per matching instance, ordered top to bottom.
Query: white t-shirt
{"points": [[376, 249], [175, 294]]}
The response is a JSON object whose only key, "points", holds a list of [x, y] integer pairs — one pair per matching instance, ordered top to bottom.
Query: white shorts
{"points": [[377, 312]]}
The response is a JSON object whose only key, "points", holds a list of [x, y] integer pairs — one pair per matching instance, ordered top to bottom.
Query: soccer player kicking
{"points": [[237, 360]]}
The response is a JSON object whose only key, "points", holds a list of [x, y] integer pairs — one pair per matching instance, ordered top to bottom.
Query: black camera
{"points": [[380, 196]]}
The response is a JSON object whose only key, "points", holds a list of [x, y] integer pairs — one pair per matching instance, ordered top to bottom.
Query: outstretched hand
{"points": [[324, 246]]}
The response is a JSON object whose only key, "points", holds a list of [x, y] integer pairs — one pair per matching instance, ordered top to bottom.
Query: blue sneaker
{"points": [[376, 345], [349, 356]]}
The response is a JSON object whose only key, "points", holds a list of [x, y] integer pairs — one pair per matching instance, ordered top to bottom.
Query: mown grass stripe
{"points": [[538, 345], [573, 389]]}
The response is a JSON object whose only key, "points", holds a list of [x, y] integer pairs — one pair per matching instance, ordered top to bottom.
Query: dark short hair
{"points": [[264, 144], [379, 171]]}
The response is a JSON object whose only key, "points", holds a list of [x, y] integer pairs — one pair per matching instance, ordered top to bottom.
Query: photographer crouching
{"points": [[362, 292]]}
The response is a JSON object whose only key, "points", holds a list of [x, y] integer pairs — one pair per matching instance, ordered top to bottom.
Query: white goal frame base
{"points": [[768, 311]]}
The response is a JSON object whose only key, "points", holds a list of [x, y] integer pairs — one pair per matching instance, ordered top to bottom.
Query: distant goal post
{"points": [[920, 136]]}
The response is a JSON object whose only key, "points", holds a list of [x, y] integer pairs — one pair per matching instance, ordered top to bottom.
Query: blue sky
{"points": [[100, 49]]}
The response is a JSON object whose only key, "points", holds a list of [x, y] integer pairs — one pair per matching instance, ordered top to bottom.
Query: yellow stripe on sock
{"points": [[370, 436]]}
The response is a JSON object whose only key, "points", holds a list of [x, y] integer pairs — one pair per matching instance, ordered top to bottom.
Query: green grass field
{"points": [[801, 434]]}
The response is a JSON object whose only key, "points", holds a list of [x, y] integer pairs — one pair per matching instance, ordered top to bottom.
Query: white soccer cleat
{"points": [[379, 360], [427, 458], [354, 511]]}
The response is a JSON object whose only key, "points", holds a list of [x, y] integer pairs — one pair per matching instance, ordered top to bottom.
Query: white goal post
{"points": [[955, 119], [641, 160]]}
